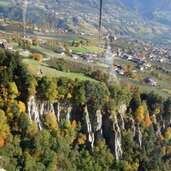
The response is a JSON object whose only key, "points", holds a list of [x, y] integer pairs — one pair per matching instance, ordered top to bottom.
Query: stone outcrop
{"points": [[95, 123]]}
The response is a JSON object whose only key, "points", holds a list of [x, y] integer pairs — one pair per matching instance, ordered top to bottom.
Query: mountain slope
{"points": [[159, 10], [119, 16]]}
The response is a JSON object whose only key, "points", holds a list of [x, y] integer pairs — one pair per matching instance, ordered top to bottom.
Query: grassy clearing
{"points": [[4, 3], [86, 49], [90, 49], [36, 67]]}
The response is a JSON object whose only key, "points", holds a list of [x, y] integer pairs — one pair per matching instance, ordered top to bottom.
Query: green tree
{"points": [[101, 75], [31, 85], [47, 89], [96, 94], [121, 94], [80, 95], [136, 99], [167, 109], [50, 121], [103, 156], [151, 157], [85, 162], [29, 163]]}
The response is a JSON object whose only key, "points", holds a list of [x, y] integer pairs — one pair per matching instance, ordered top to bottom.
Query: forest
{"points": [[73, 125]]}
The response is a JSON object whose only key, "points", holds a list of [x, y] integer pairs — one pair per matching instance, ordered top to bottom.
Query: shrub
{"points": [[38, 57]]}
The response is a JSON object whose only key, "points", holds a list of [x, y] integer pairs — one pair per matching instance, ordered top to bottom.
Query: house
{"points": [[29, 40], [3, 41], [7, 46], [60, 50], [75, 56], [88, 57], [169, 58], [142, 65], [121, 71], [151, 81]]}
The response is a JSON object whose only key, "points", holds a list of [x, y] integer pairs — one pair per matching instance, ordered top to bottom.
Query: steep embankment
{"points": [[63, 124]]}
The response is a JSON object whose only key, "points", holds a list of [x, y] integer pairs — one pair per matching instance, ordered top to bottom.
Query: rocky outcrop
{"points": [[36, 109], [122, 110], [33, 111], [96, 125], [89, 130], [140, 137], [117, 139], [2, 169]]}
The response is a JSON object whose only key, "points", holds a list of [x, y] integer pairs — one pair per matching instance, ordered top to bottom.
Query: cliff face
{"points": [[94, 124]]}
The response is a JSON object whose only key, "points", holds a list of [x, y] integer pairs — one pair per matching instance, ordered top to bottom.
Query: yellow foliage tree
{"points": [[38, 57], [69, 85], [32, 87], [13, 90], [69, 95], [22, 107], [156, 110], [139, 113], [142, 114], [50, 121], [4, 127], [33, 129], [168, 134], [161, 138], [168, 150], [130, 167]]}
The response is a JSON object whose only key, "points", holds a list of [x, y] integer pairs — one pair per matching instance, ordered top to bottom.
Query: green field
{"points": [[4, 3], [88, 49], [36, 67]]}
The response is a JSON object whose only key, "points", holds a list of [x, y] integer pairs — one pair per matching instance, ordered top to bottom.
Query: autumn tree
{"points": [[36, 41], [38, 56], [101, 75], [12, 90], [142, 113], [50, 121], [147, 121], [4, 127], [168, 134]]}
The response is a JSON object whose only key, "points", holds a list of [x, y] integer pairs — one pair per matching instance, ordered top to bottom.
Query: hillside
{"points": [[159, 11], [119, 17], [69, 102], [69, 125]]}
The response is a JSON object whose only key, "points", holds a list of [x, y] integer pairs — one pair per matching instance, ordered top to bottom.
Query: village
{"points": [[143, 61]]}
